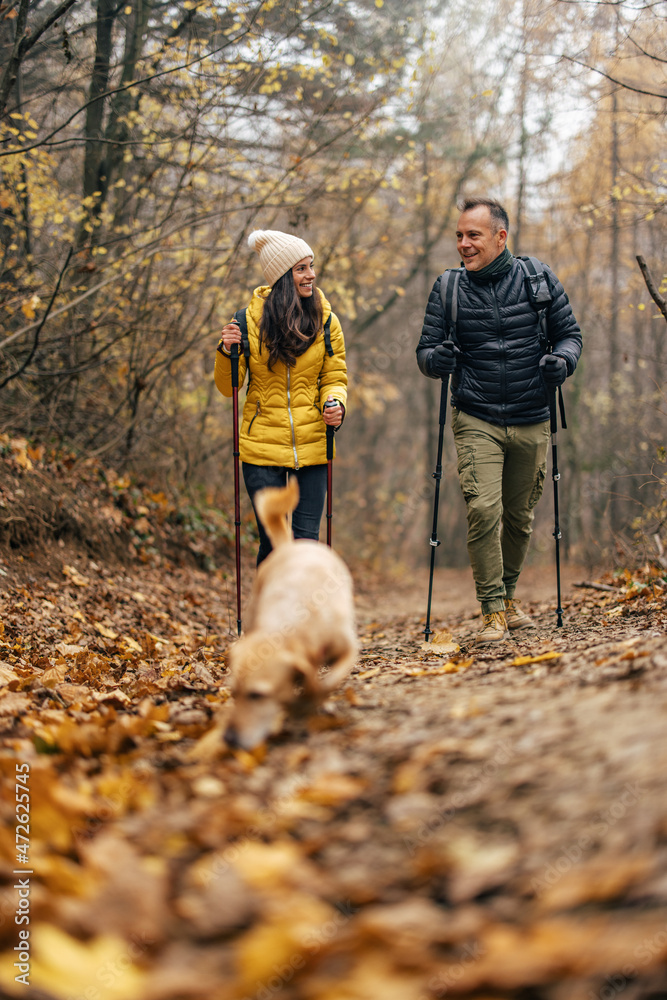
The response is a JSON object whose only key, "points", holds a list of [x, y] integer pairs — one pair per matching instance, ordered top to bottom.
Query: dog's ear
{"points": [[301, 668], [304, 677], [257, 688]]}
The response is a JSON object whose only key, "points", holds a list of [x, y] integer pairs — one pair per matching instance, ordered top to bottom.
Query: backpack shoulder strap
{"points": [[536, 280], [539, 292], [449, 293], [540, 295], [327, 336]]}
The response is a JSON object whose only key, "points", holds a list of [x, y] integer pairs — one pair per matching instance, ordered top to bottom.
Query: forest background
{"points": [[142, 142]]}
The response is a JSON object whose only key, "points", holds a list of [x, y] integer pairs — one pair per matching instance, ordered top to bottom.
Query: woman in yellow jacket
{"points": [[291, 376]]}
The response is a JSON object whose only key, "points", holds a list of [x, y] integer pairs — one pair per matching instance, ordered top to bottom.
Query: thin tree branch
{"points": [[55, 15], [649, 55], [155, 76], [619, 83], [659, 300], [372, 317], [43, 320]]}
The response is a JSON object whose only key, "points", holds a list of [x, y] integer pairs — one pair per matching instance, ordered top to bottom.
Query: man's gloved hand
{"points": [[442, 361], [554, 369]]}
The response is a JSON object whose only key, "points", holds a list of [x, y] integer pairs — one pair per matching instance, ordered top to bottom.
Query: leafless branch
{"points": [[643, 51], [152, 76], [619, 83], [659, 300], [43, 320]]}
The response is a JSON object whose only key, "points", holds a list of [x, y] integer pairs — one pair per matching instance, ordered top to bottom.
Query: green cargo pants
{"points": [[501, 472]]}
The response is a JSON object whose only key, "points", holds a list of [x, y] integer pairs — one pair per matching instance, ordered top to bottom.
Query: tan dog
{"points": [[301, 619]]}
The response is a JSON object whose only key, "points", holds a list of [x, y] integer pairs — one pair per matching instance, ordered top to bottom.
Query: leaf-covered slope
{"points": [[475, 826]]}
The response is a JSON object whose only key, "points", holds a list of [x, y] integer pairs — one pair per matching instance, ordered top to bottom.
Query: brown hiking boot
{"points": [[515, 617], [493, 630]]}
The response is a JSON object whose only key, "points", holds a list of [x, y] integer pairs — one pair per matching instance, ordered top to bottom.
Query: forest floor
{"points": [[486, 824]]}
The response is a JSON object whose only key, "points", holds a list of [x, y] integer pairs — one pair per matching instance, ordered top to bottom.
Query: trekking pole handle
{"points": [[235, 365], [330, 430]]}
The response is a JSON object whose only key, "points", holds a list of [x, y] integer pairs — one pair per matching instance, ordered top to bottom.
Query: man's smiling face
{"points": [[477, 241]]}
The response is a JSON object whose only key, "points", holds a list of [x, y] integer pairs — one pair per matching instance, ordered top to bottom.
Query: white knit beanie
{"points": [[278, 252]]}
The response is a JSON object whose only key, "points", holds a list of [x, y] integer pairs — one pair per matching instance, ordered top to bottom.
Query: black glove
{"points": [[442, 361], [554, 369]]}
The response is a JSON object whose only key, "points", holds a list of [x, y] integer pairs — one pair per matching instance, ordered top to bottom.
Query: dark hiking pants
{"points": [[306, 518]]}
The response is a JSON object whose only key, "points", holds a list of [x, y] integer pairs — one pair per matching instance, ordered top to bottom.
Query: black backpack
{"points": [[538, 293]]}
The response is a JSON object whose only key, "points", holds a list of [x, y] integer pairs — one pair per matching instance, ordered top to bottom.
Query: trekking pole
{"points": [[330, 454], [555, 474], [437, 475], [237, 498]]}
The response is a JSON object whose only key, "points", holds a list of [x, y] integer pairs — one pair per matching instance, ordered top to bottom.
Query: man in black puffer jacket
{"points": [[502, 375]]}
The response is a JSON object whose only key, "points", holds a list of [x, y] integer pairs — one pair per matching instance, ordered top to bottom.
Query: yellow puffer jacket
{"points": [[282, 417]]}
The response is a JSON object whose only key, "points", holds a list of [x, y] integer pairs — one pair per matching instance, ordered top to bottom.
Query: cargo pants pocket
{"points": [[466, 470], [538, 486]]}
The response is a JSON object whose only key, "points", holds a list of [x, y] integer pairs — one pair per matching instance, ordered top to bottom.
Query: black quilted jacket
{"points": [[497, 375]]}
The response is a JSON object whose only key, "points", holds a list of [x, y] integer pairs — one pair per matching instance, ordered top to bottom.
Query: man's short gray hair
{"points": [[499, 216]]}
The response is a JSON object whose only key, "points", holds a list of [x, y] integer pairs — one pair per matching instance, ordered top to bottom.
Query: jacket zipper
{"points": [[503, 373], [257, 413], [291, 419]]}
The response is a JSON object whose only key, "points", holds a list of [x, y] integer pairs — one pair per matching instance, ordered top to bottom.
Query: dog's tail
{"points": [[273, 505]]}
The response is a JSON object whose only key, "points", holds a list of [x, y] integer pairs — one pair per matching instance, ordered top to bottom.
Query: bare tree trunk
{"points": [[24, 39], [12, 68], [99, 83], [117, 130], [523, 138], [614, 366]]}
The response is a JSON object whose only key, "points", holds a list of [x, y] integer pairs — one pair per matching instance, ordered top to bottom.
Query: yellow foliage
{"points": [[65, 967]]}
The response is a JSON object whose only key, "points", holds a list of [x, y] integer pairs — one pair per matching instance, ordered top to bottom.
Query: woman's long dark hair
{"points": [[289, 323]]}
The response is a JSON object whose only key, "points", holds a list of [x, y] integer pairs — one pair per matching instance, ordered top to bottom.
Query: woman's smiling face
{"points": [[304, 276]]}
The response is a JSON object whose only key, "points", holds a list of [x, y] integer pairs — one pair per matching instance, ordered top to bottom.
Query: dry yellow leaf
{"points": [[77, 579], [614, 612], [103, 630], [131, 643], [441, 644], [68, 648], [522, 661], [451, 667], [368, 673], [7, 675], [53, 675], [117, 696], [250, 759], [333, 789], [268, 866], [277, 942], [66, 967], [376, 975]]}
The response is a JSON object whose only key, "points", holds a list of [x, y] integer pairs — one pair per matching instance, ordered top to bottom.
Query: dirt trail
{"points": [[454, 591], [487, 824]]}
